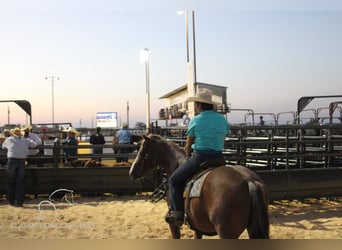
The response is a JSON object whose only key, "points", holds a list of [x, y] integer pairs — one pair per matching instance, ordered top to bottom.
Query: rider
{"points": [[205, 137]]}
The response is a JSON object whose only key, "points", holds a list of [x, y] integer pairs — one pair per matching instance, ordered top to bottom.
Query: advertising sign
{"points": [[107, 119]]}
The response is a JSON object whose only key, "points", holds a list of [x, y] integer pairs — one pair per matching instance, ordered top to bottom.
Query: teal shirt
{"points": [[209, 129]]}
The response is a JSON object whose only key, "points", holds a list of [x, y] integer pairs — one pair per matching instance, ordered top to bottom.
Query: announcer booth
{"points": [[176, 104]]}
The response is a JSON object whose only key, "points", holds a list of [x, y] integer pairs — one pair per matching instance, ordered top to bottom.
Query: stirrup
{"points": [[175, 218]]}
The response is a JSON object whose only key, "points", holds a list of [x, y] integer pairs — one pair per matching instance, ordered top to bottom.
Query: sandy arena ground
{"points": [[133, 217]]}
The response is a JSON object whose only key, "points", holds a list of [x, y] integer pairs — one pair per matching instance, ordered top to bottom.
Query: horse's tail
{"points": [[258, 225]]}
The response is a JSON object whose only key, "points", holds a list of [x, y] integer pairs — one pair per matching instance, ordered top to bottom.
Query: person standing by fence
{"points": [[27, 129], [6, 132], [123, 136], [97, 139], [70, 143], [17, 150], [3, 152]]}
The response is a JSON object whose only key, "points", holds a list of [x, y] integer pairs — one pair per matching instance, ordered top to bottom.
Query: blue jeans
{"points": [[123, 151], [184, 172], [16, 185]]}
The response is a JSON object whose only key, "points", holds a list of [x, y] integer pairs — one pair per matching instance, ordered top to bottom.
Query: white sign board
{"points": [[107, 119], [49, 143]]}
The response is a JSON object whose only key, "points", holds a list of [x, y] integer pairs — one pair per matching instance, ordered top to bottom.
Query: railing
{"points": [[256, 147], [278, 147], [52, 155], [293, 160], [51, 170]]}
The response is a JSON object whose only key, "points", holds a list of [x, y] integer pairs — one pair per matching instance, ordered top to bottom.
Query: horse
{"points": [[232, 198]]}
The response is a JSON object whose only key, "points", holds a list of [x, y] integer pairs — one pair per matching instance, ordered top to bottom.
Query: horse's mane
{"points": [[171, 144], [173, 155]]}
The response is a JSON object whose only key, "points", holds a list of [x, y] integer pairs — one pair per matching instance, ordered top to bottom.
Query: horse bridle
{"points": [[160, 191]]}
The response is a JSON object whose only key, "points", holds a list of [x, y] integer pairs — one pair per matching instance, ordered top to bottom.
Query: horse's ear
{"points": [[145, 137]]}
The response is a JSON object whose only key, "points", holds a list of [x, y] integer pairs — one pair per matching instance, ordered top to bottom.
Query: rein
{"points": [[160, 192]]}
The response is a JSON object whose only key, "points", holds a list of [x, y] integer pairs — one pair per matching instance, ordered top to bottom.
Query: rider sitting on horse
{"points": [[205, 137]]}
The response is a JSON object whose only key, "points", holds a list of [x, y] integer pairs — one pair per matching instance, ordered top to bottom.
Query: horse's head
{"points": [[144, 160]]}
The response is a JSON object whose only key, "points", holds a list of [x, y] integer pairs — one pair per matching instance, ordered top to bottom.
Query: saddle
{"points": [[213, 163], [197, 180], [194, 185]]}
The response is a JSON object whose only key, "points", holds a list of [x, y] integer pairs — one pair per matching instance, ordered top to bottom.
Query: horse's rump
{"points": [[220, 189], [225, 200]]}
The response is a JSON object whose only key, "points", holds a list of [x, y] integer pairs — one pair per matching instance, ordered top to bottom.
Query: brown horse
{"points": [[232, 198]]}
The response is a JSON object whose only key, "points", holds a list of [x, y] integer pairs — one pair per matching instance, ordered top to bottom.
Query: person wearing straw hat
{"points": [[6, 132], [33, 136], [70, 140], [205, 141], [17, 150]]}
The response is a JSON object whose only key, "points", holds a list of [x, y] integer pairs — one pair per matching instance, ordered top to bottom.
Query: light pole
{"points": [[181, 12], [187, 39], [194, 44], [145, 58], [191, 64], [52, 78], [127, 113], [8, 115]]}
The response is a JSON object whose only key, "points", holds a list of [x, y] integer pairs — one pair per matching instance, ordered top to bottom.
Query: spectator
{"points": [[185, 118], [261, 121], [6, 132], [122, 136], [34, 137], [97, 139], [71, 142], [17, 150], [3, 152]]}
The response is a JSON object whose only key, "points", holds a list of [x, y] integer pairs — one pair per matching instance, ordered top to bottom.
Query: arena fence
{"points": [[295, 161]]}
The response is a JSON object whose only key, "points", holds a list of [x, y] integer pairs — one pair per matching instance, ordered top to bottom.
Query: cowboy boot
{"points": [[175, 218]]}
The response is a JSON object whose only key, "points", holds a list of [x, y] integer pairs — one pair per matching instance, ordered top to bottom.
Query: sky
{"points": [[267, 53]]}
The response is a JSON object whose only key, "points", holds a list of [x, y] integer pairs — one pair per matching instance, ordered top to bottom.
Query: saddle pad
{"points": [[196, 186]]}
